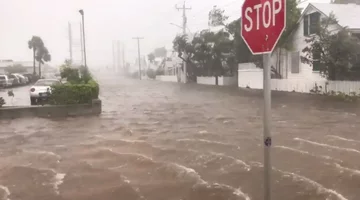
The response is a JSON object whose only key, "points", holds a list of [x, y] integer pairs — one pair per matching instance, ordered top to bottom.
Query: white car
{"points": [[5, 81], [41, 90]]}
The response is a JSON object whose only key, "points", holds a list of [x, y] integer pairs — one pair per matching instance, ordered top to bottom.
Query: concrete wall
{"points": [[167, 78], [253, 78], [211, 80], [51, 111]]}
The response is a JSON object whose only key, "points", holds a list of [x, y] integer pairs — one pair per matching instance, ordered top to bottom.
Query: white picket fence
{"points": [[167, 78], [253, 78], [211, 80]]}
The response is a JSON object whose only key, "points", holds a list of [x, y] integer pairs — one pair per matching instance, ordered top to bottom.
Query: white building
{"points": [[289, 64], [295, 75]]}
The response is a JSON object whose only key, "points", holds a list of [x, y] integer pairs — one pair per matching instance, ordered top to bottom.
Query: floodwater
{"points": [[168, 141]]}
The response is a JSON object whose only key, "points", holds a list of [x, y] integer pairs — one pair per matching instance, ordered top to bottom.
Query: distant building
{"points": [[45, 68]]}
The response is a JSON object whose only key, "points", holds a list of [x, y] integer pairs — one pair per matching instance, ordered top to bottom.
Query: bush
{"points": [[159, 72], [151, 73], [71, 74], [69, 93], [2, 102]]}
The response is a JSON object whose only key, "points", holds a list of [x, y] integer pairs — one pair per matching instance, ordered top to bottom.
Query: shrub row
{"points": [[69, 93]]}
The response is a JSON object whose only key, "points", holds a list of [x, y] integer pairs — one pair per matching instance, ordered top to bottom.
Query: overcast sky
{"points": [[105, 21]]}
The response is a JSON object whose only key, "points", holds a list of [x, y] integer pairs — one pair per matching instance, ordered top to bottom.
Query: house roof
{"points": [[348, 15]]}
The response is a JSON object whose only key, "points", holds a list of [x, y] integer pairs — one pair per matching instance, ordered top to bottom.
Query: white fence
{"points": [[167, 78], [253, 78], [211, 80]]}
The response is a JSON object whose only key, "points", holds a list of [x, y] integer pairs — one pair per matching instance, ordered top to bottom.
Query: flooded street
{"points": [[169, 141]]}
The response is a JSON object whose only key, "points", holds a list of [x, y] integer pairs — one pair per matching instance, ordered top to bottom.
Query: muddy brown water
{"points": [[165, 141]]}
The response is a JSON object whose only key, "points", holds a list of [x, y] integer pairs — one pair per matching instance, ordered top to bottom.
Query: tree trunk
{"points": [[40, 70], [34, 72]]}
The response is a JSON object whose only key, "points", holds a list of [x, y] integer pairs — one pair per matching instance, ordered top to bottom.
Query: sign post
{"points": [[262, 23]]}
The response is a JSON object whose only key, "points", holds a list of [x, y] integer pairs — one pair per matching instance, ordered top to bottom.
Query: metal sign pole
{"points": [[267, 133]]}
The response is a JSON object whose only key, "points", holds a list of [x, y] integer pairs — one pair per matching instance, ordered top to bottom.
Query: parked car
{"points": [[32, 78], [22, 79], [15, 80], [5, 81], [41, 90]]}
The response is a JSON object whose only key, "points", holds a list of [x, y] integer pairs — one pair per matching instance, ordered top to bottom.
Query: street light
{"points": [[176, 25], [83, 32]]}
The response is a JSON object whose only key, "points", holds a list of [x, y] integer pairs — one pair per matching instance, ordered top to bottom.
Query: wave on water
{"points": [[343, 139], [328, 146], [308, 153], [58, 180], [320, 188], [6, 192]]}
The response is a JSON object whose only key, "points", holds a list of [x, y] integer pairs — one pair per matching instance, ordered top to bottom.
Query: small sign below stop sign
{"points": [[262, 23]]}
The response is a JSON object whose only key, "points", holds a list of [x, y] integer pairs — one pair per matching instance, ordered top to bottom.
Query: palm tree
{"points": [[35, 44], [40, 52]]}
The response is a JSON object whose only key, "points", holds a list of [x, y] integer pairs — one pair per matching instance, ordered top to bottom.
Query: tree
{"points": [[217, 17], [35, 44], [40, 52], [160, 52], [336, 54], [151, 57], [15, 69]]}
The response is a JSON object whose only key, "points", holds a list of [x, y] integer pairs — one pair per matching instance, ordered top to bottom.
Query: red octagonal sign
{"points": [[262, 23]]}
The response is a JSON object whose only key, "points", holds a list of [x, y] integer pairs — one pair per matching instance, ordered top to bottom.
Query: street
{"points": [[169, 141]]}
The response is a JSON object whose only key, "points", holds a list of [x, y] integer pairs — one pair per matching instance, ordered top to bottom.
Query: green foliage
{"points": [[217, 17], [160, 52], [339, 52], [41, 53], [151, 57], [15, 69], [159, 72], [151, 73], [71, 74], [69, 93], [2, 102]]}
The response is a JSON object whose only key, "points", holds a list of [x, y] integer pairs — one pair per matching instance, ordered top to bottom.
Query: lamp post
{"points": [[83, 32]]}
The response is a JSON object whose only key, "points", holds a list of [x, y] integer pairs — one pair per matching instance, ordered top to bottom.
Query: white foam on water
{"points": [[343, 139], [205, 141], [328, 146], [50, 153], [308, 153], [130, 154], [237, 161], [352, 171], [190, 172], [58, 180], [320, 188], [7, 192], [236, 192]]}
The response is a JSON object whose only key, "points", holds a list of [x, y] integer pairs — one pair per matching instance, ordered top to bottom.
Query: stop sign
{"points": [[262, 23]]}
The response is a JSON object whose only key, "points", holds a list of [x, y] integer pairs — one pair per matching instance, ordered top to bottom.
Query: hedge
{"points": [[74, 93]]}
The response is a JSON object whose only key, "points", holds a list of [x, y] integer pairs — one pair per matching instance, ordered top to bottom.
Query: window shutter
{"points": [[314, 22], [306, 25], [295, 62]]}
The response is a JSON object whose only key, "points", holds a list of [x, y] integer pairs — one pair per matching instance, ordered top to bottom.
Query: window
{"points": [[311, 23], [316, 60], [295, 62]]}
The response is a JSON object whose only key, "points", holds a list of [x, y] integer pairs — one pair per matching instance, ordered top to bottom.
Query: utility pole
{"points": [[184, 8], [138, 40], [70, 42], [81, 44], [114, 55], [119, 56], [123, 57]]}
